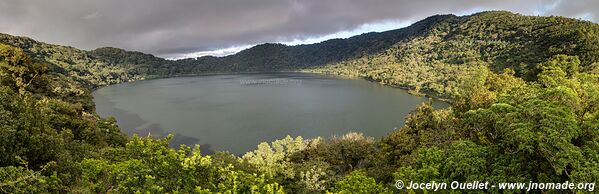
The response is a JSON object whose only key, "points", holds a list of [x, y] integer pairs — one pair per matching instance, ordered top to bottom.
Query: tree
{"points": [[358, 182]]}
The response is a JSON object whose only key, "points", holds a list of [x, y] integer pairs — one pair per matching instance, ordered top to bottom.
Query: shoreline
{"points": [[307, 71], [406, 88]]}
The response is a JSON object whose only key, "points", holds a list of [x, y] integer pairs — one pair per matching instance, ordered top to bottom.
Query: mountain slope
{"points": [[278, 56], [431, 56], [438, 61], [75, 63], [105, 66], [540, 127]]}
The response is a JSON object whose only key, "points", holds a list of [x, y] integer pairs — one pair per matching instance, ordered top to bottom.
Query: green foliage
{"points": [[452, 50], [105, 66], [19, 73], [525, 107], [424, 127], [44, 130], [342, 154], [274, 161], [465, 162], [147, 165], [427, 166], [22, 180], [359, 182]]}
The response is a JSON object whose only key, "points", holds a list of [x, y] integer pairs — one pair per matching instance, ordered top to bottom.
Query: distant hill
{"points": [[426, 57], [439, 60], [104, 66], [525, 108]]}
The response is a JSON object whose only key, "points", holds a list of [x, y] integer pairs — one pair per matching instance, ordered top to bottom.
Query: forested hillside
{"points": [[431, 56], [436, 62], [104, 66], [525, 107]]}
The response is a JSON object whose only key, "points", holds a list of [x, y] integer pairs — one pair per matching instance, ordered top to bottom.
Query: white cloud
{"points": [[92, 16], [177, 27], [365, 28], [217, 53]]}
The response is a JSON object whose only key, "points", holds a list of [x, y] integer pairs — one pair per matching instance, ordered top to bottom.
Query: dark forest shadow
{"points": [[131, 123]]}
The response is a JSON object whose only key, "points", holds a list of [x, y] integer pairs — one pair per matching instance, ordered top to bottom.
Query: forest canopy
{"points": [[524, 93]]}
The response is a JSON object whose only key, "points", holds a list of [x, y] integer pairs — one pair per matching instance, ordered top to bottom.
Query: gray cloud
{"points": [[166, 27]]}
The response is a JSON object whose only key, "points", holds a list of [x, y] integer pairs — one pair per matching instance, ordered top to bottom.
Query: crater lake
{"points": [[236, 112]]}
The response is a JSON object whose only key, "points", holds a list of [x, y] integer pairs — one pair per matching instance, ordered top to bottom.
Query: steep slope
{"points": [[432, 56], [271, 57], [277, 57], [440, 60], [75, 63], [104, 66], [501, 128]]}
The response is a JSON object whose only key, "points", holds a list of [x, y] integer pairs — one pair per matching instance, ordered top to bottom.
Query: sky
{"points": [[192, 28]]}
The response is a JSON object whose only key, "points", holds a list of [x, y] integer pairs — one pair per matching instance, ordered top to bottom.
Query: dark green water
{"points": [[237, 112]]}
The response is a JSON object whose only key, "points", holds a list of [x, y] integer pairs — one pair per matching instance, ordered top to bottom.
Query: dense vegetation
{"points": [[437, 61], [105, 66], [525, 107]]}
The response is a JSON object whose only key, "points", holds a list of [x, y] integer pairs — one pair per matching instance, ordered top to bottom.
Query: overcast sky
{"points": [[189, 28]]}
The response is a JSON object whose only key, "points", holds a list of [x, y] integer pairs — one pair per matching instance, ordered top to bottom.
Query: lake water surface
{"points": [[236, 112]]}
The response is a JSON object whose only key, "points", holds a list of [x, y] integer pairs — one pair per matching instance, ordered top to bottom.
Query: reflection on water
{"points": [[234, 113], [134, 124]]}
